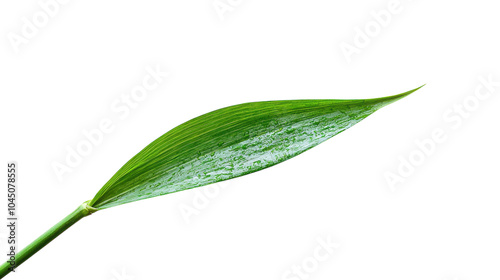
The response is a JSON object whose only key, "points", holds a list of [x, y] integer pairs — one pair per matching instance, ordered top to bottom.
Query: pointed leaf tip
{"points": [[384, 101]]}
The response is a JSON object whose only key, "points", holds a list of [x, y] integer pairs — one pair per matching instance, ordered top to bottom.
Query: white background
{"points": [[442, 222]]}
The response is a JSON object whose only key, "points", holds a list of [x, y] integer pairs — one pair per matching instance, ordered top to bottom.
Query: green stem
{"points": [[80, 212]]}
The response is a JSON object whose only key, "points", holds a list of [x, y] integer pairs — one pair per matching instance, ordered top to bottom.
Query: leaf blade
{"points": [[232, 142]]}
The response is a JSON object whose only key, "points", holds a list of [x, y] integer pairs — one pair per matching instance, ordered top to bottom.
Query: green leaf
{"points": [[231, 142]]}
